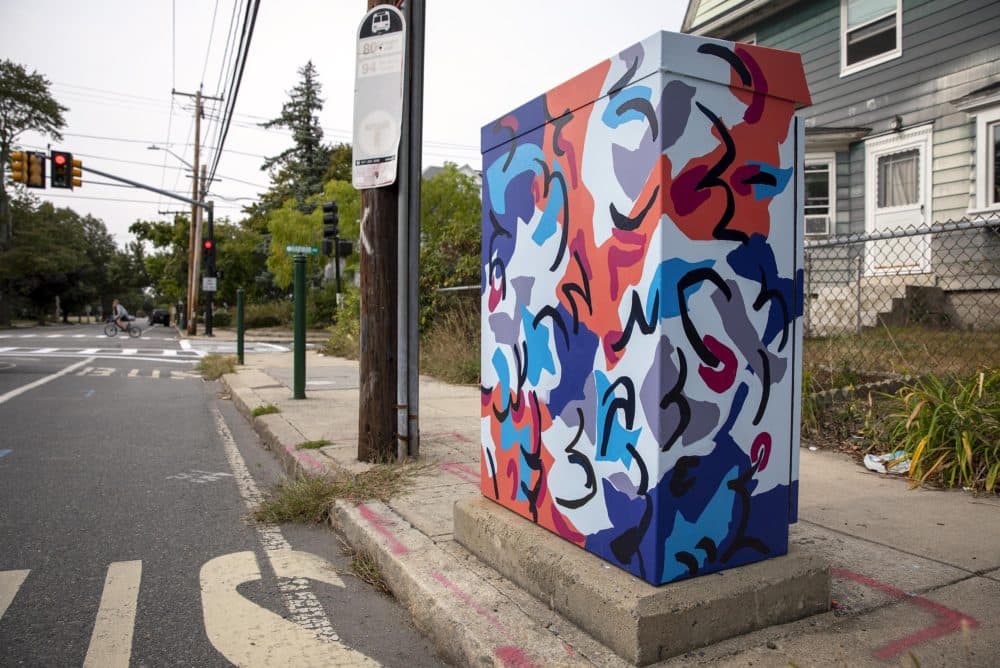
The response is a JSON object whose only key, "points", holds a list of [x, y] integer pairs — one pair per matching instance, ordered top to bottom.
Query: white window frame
{"points": [[846, 69], [984, 157], [830, 160]]}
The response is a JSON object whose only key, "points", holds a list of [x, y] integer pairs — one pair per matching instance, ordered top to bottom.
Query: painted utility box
{"points": [[642, 304]]}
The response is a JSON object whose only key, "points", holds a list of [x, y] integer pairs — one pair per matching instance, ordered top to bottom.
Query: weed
{"points": [[450, 348], [214, 366], [266, 409], [950, 429], [313, 445], [308, 499], [366, 568]]}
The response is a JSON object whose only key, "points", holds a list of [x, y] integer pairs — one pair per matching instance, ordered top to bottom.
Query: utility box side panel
{"points": [[641, 306]]}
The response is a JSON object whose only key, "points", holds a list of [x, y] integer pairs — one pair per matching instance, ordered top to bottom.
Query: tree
{"points": [[25, 104], [299, 170], [450, 235]]}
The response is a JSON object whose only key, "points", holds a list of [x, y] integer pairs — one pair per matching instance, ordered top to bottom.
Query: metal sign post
{"points": [[378, 97]]}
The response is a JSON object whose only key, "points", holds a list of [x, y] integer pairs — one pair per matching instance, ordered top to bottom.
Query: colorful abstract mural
{"points": [[641, 304]]}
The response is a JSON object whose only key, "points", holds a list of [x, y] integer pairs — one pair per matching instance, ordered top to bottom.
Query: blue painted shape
{"points": [[613, 119], [524, 160], [781, 176], [548, 225], [755, 261], [665, 282], [539, 355], [576, 360], [619, 436], [4, 453], [714, 523]]}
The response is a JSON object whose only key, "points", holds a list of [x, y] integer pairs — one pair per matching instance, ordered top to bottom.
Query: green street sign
{"points": [[302, 250]]}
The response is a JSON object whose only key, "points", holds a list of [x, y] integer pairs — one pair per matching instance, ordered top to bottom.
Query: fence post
{"points": [[858, 262], [807, 297], [239, 325], [299, 344]]}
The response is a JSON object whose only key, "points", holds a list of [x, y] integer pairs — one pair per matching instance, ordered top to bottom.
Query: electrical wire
{"points": [[211, 35]]}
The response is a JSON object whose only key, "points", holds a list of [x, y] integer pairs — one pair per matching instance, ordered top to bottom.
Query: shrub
{"points": [[271, 314], [222, 318], [346, 331], [450, 348], [214, 366], [266, 409], [950, 429]]}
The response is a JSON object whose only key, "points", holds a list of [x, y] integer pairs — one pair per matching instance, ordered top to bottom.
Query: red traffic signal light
{"points": [[62, 169], [208, 244]]}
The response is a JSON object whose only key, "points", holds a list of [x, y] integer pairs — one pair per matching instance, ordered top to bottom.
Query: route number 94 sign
{"points": [[378, 97]]}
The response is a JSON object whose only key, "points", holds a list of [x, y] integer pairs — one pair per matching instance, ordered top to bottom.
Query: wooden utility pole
{"points": [[194, 233], [377, 368]]}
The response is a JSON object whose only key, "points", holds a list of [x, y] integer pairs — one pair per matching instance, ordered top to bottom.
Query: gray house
{"points": [[904, 131]]}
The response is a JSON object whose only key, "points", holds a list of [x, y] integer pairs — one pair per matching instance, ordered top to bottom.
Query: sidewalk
{"points": [[260, 335], [914, 571]]}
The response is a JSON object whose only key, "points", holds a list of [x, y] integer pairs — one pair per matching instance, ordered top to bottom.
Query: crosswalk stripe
{"points": [[53, 336], [3, 350], [45, 350], [90, 351], [130, 351], [170, 353], [133, 373], [155, 373], [10, 582], [111, 641]]}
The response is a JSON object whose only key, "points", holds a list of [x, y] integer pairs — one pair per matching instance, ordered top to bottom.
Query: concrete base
{"points": [[642, 623]]}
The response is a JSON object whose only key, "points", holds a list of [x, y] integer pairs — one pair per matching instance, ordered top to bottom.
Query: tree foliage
{"points": [[299, 170]]}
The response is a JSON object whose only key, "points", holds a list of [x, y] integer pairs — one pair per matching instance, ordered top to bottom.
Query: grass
{"points": [[450, 348], [213, 366], [266, 409], [949, 428], [313, 445], [308, 499], [366, 568]]}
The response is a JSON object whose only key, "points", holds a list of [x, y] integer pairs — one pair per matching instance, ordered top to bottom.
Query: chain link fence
{"points": [[904, 302]]}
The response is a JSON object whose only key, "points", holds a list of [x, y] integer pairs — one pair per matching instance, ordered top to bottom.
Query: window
{"points": [[869, 34], [988, 158], [899, 179], [820, 194]]}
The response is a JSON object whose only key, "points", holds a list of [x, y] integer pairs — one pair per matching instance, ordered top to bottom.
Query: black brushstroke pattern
{"points": [[727, 55], [626, 78], [644, 107], [497, 127], [557, 127], [761, 178], [713, 179], [628, 223], [691, 278], [569, 289], [767, 294], [549, 311], [637, 318], [765, 384], [676, 397], [625, 404], [533, 459], [581, 460], [493, 471], [643, 471], [680, 481], [741, 487], [627, 543], [708, 546], [688, 560]]}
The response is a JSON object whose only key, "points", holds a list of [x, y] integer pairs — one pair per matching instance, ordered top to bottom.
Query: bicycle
{"points": [[112, 329]]}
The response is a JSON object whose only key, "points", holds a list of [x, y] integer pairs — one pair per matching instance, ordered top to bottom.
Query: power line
{"points": [[211, 35], [130, 201]]}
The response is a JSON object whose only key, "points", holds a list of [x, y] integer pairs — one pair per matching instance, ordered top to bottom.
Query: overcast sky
{"points": [[114, 63]]}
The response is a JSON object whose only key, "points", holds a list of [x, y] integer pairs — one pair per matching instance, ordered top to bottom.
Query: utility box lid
{"points": [[676, 53]]}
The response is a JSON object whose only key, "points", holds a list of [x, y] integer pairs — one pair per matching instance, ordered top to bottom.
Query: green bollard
{"points": [[239, 326], [299, 345]]}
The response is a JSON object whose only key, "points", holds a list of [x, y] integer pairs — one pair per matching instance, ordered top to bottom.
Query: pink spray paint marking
{"points": [[305, 459], [460, 471], [381, 525], [467, 599], [949, 620], [513, 657]]}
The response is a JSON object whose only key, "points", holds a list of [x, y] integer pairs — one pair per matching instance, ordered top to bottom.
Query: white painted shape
{"points": [[4, 398], [10, 582], [249, 635], [111, 641]]}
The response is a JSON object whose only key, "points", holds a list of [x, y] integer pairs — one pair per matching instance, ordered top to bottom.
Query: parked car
{"points": [[159, 316]]}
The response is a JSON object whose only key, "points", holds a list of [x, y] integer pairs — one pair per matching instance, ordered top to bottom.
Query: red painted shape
{"points": [[719, 380], [760, 451], [460, 471], [380, 524], [467, 599], [949, 620], [513, 657]]}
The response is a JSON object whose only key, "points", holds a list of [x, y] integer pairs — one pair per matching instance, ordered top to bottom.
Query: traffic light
{"points": [[18, 168], [62, 169], [36, 170], [76, 172], [331, 222], [344, 247], [208, 252]]}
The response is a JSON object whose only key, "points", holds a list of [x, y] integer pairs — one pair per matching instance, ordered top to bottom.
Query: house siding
{"points": [[949, 49]]}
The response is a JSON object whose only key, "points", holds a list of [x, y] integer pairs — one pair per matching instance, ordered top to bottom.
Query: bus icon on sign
{"points": [[380, 22]]}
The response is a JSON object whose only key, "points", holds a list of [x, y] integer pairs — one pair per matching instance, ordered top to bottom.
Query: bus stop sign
{"points": [[378, 97]]}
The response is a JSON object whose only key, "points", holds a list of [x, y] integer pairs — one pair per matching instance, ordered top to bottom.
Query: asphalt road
{"points": [[125, 488]]}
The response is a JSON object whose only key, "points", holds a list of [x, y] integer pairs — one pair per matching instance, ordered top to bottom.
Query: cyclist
{"points": [[120, 315]]}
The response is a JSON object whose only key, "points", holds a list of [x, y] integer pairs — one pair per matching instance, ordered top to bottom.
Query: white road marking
{"points": [[26, 336], [53, 336], [79, 336], [185, 344], [273, 346], [3, 350], [42, 351], [90, 351], [130, 351], [170, 353], [85, 371], [133, 373], [155, 373], [4, 398], [10, 582], [305, 608], [111, 641]]}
